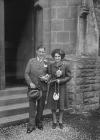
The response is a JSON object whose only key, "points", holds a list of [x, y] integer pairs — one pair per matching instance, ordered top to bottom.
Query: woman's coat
{"points": [[61, 88]]}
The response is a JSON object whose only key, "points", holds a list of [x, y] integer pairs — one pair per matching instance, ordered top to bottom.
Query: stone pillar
{"points": [[38, 21], [46, 25], [87, 30], [92, 33], [2, 48]]}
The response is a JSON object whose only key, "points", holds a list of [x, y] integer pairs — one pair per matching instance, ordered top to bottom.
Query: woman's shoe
{"points": [[54, 125], [40, 126], [61, 126]]}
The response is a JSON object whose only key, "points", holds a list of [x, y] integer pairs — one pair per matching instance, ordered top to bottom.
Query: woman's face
{"points": [[57, 57]]}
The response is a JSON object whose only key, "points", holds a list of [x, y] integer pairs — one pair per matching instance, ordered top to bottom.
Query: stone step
{"points": [[13, 91], [13, 96], [16, 96], [12, 99], [13, 102], [15, 106], [14, 109], [11, 112], [15, 119], [8, 120]]}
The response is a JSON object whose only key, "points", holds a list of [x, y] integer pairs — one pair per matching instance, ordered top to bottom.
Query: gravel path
{"points": [[75, 128]]}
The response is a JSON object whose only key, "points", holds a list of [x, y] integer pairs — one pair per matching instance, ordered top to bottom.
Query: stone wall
{"points": [[60, 20], [60, 24], [63, 25], [84, 88]]}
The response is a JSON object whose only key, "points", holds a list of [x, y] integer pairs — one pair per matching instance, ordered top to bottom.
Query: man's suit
{"points": [[33, 71]]}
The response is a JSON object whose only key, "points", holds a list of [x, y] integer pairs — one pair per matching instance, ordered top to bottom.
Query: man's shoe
{"points": [[54, 125], [61, 126], [29, 130]]}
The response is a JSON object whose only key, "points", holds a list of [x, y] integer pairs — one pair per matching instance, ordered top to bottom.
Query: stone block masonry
{"points": [[60, 15], [59, 25], [61, 32], [84, 88]]}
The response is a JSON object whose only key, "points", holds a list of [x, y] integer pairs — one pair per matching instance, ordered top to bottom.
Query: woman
{"points": [[59, 75]]}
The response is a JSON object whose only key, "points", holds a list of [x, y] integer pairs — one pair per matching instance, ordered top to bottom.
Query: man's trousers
{"points": [[36, 110]]}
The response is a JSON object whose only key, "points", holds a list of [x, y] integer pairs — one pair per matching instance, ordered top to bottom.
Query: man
{"points": [[36, 67]]}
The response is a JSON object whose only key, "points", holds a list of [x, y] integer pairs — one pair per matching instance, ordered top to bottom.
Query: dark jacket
{"points": [[33, 71], [64, 78]]}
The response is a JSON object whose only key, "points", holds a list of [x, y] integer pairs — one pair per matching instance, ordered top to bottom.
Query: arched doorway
{"points": [[23, 32]]}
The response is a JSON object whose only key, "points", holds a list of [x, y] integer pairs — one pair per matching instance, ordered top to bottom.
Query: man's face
{"points": [[40, 52]]}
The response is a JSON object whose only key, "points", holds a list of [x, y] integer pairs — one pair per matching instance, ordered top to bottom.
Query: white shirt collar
{"points": [[40, 60]]}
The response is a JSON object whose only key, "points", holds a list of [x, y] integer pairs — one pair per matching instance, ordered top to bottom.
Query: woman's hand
{"points": [[32, 85]]}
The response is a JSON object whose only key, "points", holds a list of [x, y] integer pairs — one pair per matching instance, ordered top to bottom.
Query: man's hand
{"points": [[45, 78], [58, 81], [32, 85]]}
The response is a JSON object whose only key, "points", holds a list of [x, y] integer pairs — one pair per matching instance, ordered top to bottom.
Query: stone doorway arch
{"points": [[23, 32]]}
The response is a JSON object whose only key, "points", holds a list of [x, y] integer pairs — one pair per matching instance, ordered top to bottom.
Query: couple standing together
{"points": [[58, 75]]}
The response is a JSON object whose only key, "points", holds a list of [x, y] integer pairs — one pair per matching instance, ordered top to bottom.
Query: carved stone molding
{"points": [[87, 30]]}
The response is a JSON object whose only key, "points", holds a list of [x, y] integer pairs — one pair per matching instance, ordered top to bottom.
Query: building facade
{"points": [[67, 24]]}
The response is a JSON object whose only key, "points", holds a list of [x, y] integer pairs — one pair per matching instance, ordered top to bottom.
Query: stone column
{"points": [[46, 25], [87, 30], [92, 32], [2, 48]]}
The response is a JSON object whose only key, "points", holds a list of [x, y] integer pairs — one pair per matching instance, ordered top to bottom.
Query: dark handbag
{"points": [[34, 93]]}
